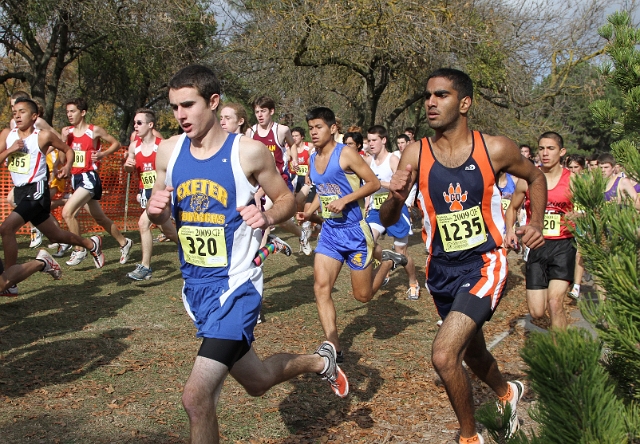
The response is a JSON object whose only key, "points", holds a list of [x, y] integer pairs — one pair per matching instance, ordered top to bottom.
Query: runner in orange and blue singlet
{"points": [[466, 264]]}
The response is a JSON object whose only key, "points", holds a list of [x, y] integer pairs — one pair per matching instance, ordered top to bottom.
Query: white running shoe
{"points": [[36, 238], [305, 245], [62, 249], [125, 251], [96, 253], [77, 257], [50, 264], [141, 273], [11, 292], [413, 293], [517, 388]]}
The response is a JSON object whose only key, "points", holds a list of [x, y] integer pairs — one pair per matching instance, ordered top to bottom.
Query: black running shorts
{"points": [[33, 202], [555, 260]]}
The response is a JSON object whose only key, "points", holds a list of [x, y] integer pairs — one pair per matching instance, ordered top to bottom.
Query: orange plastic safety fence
{"points": [[114, 202]]}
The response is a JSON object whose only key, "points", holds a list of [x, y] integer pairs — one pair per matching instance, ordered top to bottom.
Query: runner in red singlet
{"points": [[84, 139], [278, 139], [141, 159], [549, 269]]}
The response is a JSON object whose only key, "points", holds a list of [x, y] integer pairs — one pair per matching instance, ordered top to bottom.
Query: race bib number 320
{"points": [[462, 230], [203, 246]]}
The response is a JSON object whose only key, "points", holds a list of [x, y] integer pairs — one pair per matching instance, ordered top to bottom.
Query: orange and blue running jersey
{"points": [[463, 213]]}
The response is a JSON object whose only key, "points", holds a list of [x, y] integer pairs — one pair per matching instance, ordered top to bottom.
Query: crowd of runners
{"points": [[220, 187]]}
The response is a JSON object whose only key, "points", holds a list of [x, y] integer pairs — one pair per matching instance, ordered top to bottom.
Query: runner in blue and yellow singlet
{"points": [[207, 178]]}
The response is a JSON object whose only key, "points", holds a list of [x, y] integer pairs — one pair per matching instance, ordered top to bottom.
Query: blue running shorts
{"points": [[353, 244], [220, 312]]}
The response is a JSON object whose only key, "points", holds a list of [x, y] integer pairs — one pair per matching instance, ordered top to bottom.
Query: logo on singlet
{"points": [[454, 197], [199, 203], [357, 260]]}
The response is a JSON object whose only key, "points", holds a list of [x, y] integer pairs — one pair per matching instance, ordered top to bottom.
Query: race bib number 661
{"points": [[203, 246]]}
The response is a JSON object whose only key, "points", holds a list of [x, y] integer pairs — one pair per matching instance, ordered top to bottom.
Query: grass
{"points": [[99, 358]]}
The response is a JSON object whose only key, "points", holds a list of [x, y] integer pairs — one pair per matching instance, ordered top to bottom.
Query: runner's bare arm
{"points": [[285, 135], [3, 138], [47, 139], [114, 145], [6, 150], [505, 156], [130, 163], [259, 167], [400, 185], [626, 189], [159, 204], [302, 216], [510, 238]]}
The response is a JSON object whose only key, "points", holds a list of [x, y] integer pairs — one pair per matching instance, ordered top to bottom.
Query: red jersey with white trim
{"points": [[83, 148], [278, 151], [29, 164], [146, 165], [558, 205], [463, 213]]}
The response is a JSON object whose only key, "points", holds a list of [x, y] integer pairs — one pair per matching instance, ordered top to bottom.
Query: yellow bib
{"points": [[79, 159], [19, 162], [303, 170], [148, 178], [326, 200], [378, 200], [551, 225], [462, 230], [204, 246]]}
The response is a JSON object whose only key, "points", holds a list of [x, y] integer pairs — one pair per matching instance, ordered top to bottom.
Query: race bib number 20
{"points": [[551, 225], [203, 246]]}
